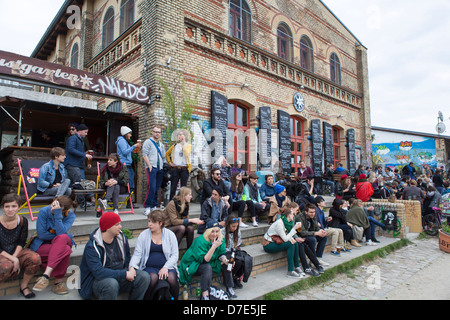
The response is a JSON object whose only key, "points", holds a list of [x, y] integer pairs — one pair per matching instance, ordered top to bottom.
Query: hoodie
{"points": [[124, 150], [93, 262]]}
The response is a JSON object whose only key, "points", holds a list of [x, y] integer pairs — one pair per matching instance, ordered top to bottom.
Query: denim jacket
{"points": [[47, 174]]}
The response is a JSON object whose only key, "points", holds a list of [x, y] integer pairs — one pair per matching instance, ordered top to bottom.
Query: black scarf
{"points": [[253, 191], [183, 214]]}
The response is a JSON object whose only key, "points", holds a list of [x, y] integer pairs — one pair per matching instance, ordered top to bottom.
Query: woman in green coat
{"points": [[204, 257]]}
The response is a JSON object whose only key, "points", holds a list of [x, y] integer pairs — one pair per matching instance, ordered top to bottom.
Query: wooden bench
{"points": [[337, 177]]}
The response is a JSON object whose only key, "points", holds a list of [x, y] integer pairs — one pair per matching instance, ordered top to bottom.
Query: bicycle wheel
{"points": [[431, 225]]}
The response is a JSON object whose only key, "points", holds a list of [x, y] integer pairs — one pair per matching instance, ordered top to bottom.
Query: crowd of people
{"points": [[298, 224]]}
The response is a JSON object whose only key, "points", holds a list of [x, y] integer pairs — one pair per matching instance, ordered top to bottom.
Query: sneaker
{"points": [[90, 204], [103, 204], [116, 211], [147, 211], [255, 224], [242, 225], [375, 240], [370, 243], [346, 248], [335, 253], [323, 263], [320, 269], [299, 271], [312, 272], [293, 274], [41, 284], [237, 284], [60, 288], [231, 293]]}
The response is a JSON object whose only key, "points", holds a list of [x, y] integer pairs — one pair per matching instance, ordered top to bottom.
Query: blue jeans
{"points": [[131, 177], [154, 180], [329, 183], [374, 222], [317, 244], [109, 288]]}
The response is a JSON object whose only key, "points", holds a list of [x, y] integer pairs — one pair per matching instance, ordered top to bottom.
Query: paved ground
{"points": [[418, 271]]}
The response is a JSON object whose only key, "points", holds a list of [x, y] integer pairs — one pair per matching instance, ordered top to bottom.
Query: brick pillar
{"points": [[162, 39], [363, 88]]}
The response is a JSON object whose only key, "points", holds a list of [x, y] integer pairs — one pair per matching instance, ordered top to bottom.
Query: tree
{"points": [[178, 112]]}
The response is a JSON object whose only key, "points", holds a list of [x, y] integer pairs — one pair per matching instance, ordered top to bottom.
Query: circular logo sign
{"points": [[299, 102]]}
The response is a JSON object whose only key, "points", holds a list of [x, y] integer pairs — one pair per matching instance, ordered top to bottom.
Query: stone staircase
{"points": [[265, 265]]}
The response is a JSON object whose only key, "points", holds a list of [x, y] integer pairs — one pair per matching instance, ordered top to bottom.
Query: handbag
{"points": [[358, 232], [277, 239]]}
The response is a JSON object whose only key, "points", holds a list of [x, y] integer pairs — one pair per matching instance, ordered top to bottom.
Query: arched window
{"points": [[126, 14], [240, 24], [108, 28], [285, 42], [306, 54], [74, 56], [335, 69], [237, 135], [297, 139], [336, 146]]}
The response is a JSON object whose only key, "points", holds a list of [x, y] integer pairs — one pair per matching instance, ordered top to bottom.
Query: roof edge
{"points": [[339, 20], [51, 27]]}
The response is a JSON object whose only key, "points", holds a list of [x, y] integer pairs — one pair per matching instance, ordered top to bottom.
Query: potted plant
{"points": [[444, 237]]}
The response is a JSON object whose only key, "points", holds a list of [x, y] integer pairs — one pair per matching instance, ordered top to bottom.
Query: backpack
{"points": [[389, 219], [159, 292], [217, 294]]}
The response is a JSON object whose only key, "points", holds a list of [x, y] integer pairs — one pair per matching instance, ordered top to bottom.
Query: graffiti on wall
{"points": [[397, 149]]}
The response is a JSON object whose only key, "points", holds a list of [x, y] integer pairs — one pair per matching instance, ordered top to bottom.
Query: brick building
{"points": [[291, 68]]}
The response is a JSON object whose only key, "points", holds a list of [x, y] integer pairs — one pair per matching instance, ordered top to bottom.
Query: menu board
{"points": [[219, 121], [284, 136], [265, 138], [351, 150], [317, 151], [328, 151]]}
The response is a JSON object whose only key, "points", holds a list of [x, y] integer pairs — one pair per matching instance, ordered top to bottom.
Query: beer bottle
{"points": [[231, 261], [185, 292]]}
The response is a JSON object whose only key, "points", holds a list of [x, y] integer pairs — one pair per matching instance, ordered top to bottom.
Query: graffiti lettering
{"points": [[122, 89]]}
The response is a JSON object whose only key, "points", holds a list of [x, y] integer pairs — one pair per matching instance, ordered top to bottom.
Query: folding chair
{"points": [[29, 175], [122, 195]]}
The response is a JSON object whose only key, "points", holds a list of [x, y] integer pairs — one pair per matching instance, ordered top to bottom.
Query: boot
{"points": [[355, 243]]}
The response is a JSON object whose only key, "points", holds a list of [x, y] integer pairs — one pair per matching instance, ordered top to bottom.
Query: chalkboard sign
{"points": [[219, 121], [284, 136], [265, 138], [317, 151], [328, 151], [351, 151]]}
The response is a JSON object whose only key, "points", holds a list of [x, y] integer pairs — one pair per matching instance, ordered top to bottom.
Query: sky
{"points": [[408, 45]]}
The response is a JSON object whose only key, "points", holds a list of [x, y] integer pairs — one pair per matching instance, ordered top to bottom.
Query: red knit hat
{"points": [[344, 176], [362, 176], [108, 219]]}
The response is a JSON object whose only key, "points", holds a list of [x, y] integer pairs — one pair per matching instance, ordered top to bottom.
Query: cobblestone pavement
{"points": [[393, 273]]}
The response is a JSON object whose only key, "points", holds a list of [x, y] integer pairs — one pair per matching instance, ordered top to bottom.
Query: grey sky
{"points": [[408, 43]]}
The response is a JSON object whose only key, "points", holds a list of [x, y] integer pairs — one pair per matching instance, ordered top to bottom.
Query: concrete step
{"points": [[259, 284]]}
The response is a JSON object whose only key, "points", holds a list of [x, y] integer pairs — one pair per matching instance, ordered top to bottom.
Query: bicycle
{"points": [[433, 221]]}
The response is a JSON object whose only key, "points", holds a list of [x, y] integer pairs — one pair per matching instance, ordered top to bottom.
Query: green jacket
{"points": [[357, 216], [309, 225], [194, 257]]}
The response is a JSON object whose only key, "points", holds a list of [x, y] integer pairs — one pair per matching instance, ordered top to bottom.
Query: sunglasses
{"points": [[235, 219]]}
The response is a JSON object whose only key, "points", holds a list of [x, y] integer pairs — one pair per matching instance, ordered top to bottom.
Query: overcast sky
{"points": [[408, 43]]}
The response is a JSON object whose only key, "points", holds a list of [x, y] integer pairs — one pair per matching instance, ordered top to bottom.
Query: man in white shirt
{"points": [[152, 153]]}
